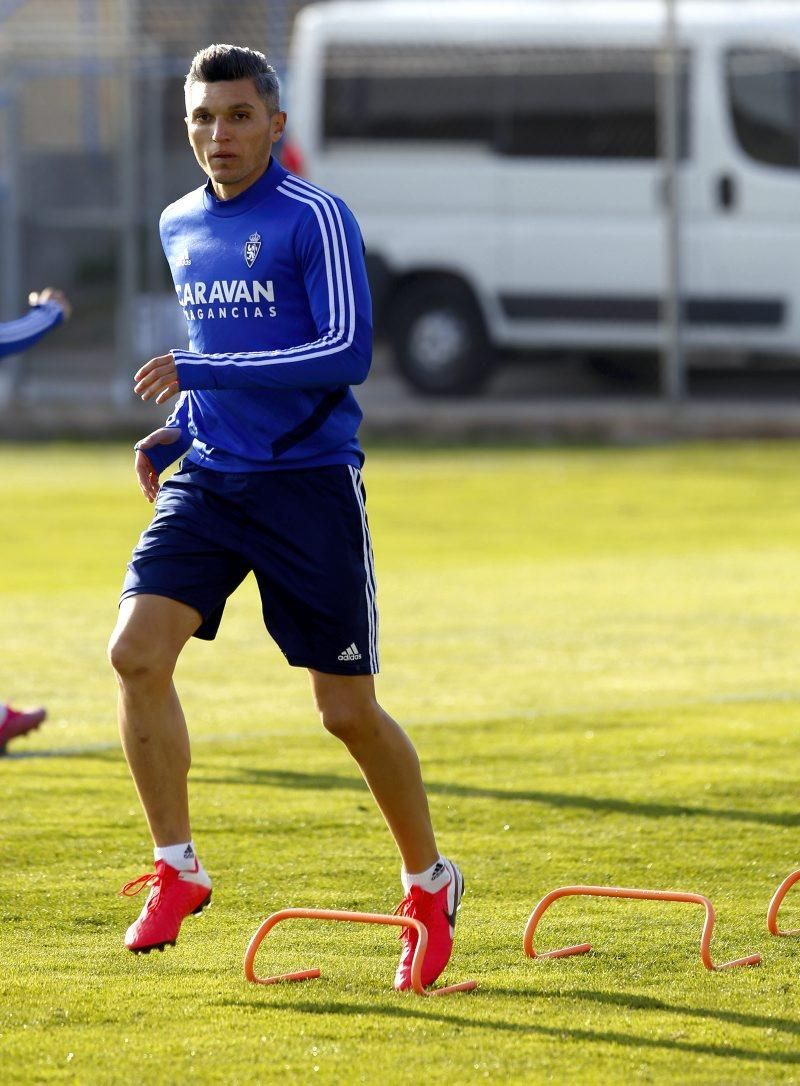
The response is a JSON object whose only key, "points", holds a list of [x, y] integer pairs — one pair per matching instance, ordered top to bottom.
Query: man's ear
{"points": [[278, 125]]}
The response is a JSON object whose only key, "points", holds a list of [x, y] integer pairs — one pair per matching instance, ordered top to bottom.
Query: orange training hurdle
{"points": [[619, 891], [775, 904], [357, 918]]}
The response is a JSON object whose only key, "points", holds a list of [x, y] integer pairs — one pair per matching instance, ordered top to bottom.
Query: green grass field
{"points": [[596, 653]]}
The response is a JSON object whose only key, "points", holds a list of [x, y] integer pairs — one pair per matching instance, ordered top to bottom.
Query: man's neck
{"points": [[227, 192]]}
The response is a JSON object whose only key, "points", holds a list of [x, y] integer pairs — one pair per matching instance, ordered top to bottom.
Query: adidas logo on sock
{"points": [[350, 654], [188, 853], [437, 871]]}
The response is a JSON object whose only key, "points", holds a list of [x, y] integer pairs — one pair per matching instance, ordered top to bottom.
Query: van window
{"points": [[410, 92], [764, 97], [542, 103], [581, 103]]}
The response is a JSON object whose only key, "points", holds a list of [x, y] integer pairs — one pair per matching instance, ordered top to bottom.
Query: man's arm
{"points": [[330, 251], [48, 309]]}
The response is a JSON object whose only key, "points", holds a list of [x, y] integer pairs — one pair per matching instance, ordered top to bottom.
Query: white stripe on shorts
{"points": [[369, 568]]}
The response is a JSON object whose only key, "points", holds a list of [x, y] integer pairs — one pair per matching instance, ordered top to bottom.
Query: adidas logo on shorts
{"points": [[350, 654]]}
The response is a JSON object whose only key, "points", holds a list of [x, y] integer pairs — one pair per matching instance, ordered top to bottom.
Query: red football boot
{"points": [[15, 723], [174, 895], [437, 911]]}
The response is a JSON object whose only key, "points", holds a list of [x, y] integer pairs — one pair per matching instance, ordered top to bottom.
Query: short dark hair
{"points": [[220, 63]]}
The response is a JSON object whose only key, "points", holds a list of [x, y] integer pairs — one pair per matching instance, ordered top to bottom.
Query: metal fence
{"points": [[93, 146]]}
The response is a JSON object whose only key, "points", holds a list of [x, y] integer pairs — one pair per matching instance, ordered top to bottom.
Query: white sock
{"points": [[3, 714], [182, 857], [430, 880]]}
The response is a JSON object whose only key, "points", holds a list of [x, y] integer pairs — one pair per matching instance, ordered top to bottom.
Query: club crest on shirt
{"points": [[252, 248]]}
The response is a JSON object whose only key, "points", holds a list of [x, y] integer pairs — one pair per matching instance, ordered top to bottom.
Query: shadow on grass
{"points": [[99, 751], [327, 782], [633, 1002], [557, 1033]]}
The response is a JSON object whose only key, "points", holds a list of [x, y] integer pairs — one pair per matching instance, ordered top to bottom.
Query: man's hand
{"points": [[50, 294], [158, 378], [145, 472]]}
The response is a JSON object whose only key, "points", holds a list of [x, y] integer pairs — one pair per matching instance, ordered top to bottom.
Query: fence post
{"points": [[10, 218], [129, 277], [673, 362]]}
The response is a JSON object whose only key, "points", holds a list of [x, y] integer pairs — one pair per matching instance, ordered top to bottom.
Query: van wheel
{"points": [[439, 339]]}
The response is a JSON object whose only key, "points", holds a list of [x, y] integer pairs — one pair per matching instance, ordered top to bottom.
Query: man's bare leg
{"points": [[150, 633], [144, 648], [386, 758], [389, 763]]}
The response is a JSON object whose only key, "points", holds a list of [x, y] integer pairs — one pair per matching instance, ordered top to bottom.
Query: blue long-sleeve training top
{"points": [[274, 290], [18, 335]]}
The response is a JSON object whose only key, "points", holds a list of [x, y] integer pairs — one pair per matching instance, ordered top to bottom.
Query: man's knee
{"points": [[148, 638], [138, 654], [133, 658], [347, 706], [350, 721]]}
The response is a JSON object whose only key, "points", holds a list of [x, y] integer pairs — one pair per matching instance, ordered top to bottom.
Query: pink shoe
{"points": [[17, 723], [174, 896], [437, 912]]}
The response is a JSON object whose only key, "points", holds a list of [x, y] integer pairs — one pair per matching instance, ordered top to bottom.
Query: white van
{"points": [[502, 160]]}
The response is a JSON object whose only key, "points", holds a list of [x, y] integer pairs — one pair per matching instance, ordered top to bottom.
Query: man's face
{"points": [[231, 133]]}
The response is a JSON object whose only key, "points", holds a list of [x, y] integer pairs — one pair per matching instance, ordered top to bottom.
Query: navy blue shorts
{"points": [[305, 536]]}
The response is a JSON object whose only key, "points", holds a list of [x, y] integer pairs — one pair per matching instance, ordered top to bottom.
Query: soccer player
{"points": [[269, 270], [48, 308]]}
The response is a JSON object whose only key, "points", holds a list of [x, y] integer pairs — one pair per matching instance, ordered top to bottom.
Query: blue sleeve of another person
{"points": [[17, 336]]}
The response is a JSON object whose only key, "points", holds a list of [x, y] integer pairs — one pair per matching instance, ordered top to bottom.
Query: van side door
{"points": [[583, 193], [750, 227]]}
